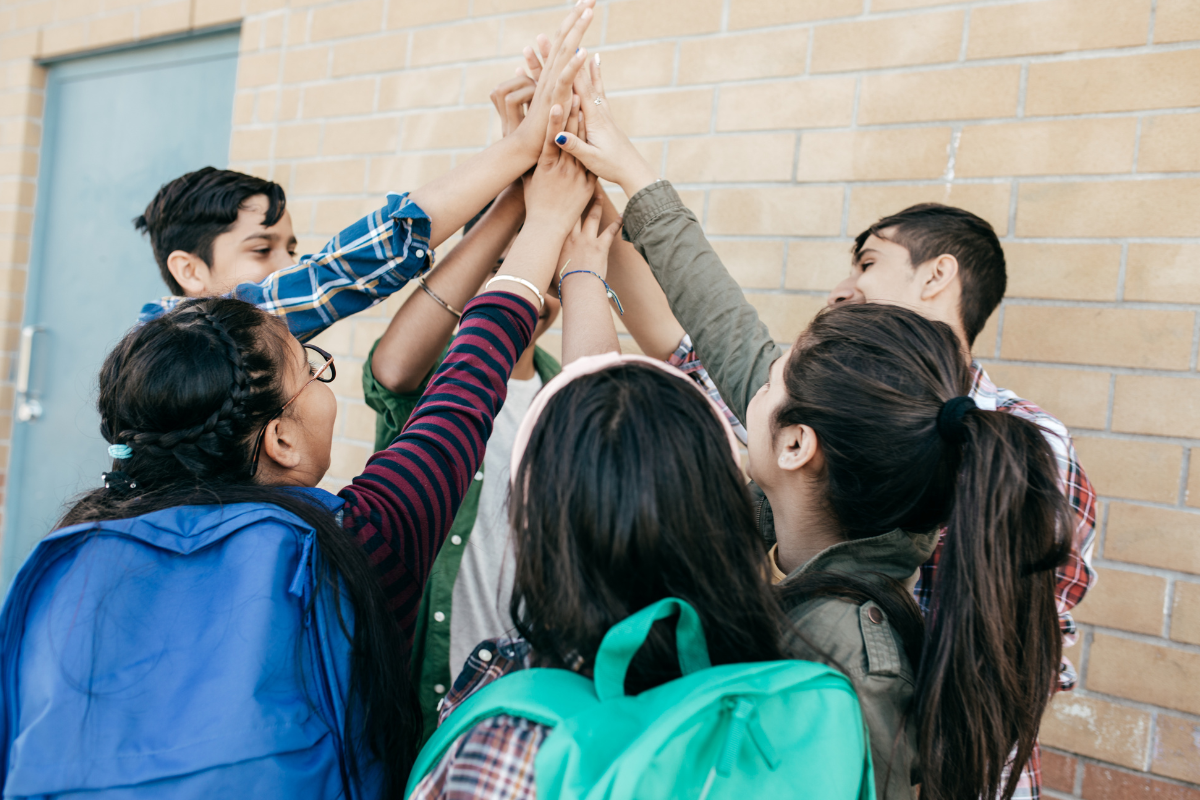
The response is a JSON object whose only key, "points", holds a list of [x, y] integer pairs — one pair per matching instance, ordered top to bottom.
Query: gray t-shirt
{"points": [[485, 579]]}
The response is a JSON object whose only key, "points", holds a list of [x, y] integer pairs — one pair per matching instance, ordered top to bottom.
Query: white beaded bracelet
{"points": [[523, 282]]}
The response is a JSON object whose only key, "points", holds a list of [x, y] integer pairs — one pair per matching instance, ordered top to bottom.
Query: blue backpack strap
{"points": [[544, 696]]}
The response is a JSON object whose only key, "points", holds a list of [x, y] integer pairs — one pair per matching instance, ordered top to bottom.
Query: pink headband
{"points": [[592, 364]]}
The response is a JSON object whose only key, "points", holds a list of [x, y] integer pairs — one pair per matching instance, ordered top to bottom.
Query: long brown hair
{"points": [[872, 380], [189, 391], [632, 495]]}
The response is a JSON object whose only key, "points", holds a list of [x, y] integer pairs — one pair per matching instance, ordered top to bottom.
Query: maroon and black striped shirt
{"points": [[401, 508]]}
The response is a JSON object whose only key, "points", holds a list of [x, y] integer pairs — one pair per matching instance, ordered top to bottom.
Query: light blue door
{"points": [[117, 127]]}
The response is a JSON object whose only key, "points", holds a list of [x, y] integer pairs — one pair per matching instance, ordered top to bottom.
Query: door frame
{"points": [[59, 68]]}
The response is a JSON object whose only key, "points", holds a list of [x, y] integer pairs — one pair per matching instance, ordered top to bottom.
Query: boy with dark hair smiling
{"points": [[218, 232]]}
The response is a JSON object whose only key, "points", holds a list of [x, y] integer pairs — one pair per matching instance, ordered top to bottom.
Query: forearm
{"points": [[451, 200], [533, 258], [648, 315], [588, 328], [418, 332], [734, 344], [400, 509]]}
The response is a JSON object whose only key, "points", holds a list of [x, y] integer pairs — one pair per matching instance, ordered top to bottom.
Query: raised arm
{"points": [[457, 196], [588, 328], [418, 333], [734, 344], [401, 507]]}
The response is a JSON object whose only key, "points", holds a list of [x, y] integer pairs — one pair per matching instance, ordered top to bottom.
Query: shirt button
{"points": [[419, 254], [479, 475], [456, 539], [875, 615], [439, 616], [485, 655], [437, 687]]}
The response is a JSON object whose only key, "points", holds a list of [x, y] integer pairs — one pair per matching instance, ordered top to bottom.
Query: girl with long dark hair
{"points": [[868, 449], [627, 490], [209, 659]]}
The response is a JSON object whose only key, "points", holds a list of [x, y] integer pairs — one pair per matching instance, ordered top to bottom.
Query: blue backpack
{"points": [[169, 655], [732, 732]]}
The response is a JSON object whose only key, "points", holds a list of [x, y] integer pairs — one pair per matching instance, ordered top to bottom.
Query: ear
{"points": [[190, 272], [938, 275], [280, 445], [798, 447]]}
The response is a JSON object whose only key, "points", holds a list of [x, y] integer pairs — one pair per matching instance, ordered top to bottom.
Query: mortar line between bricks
{"points": [[1153, 19], [966, 33], [1035, 58], [1111, 402], [1145, 438], [1183, 478], [1150, 572], [1168, 605], [1147, 639], [1154, 776]]}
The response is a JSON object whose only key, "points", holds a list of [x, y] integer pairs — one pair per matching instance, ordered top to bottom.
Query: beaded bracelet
{"points": [[523, 282], [608, 289], [438, 300]]}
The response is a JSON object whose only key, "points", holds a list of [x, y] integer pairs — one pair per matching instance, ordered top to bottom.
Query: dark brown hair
{"points": [[190, 212], [928, 230], [871, 381], [189, 392], [632, 495]]}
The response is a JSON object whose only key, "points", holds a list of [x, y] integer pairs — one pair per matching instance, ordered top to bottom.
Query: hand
{"points": [[555, 78], [510, 98], [605, 149], [560, 188], [587, 246]]}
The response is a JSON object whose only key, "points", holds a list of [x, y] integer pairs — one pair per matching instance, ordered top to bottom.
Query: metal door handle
{"points": [[28, 409]]}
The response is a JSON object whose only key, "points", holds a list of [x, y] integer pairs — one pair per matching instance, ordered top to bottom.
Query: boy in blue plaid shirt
{"points": [[219, 232]]}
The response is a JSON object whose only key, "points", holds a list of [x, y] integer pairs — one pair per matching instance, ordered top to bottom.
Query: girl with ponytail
{"points": [[867, 448]]}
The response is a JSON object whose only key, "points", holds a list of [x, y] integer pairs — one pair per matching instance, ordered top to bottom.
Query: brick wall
{"points": [[789, 125]]}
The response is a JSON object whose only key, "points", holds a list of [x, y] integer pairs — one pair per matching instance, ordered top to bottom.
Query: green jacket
{"points": [[734, 344], [737, 350], [431, 641], [861, 641]]}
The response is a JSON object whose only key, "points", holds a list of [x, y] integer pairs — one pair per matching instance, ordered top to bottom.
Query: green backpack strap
{"points": [[624, 639], [544, 696]]}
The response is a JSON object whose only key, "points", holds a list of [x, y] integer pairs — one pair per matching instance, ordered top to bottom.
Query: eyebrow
{"points": [[861, 253]]}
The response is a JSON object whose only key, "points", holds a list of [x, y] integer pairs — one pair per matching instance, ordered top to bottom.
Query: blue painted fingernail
{"points": [[577, 49], [561, 138]]}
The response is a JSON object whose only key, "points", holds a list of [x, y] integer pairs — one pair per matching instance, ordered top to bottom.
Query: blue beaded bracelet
{"points": [[608, 289]]}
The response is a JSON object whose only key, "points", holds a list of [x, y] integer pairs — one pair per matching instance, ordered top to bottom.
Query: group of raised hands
{"points": [[557, 101]]}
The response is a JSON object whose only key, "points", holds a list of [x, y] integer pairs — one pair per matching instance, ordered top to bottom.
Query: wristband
{"points": [[523, 282], [608, 289], [438, 300]]}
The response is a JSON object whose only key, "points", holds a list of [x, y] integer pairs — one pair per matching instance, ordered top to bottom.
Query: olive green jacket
{"points": [[737, 350], [431, 640], [860, 640]]}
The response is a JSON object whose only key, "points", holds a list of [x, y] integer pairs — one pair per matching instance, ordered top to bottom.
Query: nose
{"points": [[844, 292]]}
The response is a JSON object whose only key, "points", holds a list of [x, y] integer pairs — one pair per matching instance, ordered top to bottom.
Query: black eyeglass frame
{"points": [[319, 375]]}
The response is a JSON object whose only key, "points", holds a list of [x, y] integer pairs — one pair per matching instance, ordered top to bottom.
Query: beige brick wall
{"points": [[789, 125]]}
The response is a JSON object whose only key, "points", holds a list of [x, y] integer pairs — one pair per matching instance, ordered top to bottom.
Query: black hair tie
{"points": [[950, 419], [118, 481]]}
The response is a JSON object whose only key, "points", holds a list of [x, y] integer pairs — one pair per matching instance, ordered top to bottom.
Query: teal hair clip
{"points": [[120, 451]]}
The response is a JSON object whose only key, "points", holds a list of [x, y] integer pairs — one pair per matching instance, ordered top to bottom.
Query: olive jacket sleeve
{"points": [[734, 344]]}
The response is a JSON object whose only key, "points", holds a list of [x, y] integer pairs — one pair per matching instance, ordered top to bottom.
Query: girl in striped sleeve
{"points": [[211, 624]]}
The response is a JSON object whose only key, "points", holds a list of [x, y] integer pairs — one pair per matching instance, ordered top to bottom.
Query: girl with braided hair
{"points": [[211, 624]]}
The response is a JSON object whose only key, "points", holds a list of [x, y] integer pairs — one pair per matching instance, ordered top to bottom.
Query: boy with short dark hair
{"points": [[218, 232]]}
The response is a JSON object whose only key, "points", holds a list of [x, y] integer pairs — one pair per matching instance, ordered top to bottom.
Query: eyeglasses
{"points": [[319, 374]]}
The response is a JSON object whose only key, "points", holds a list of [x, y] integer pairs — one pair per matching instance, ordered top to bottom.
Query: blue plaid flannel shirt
{"points": [[356, 269]]}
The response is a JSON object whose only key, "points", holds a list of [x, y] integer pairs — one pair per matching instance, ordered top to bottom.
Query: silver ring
{"points": [[597, 101]]}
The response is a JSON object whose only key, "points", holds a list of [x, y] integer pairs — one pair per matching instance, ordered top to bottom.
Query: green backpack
{"points": [[766, 729]]}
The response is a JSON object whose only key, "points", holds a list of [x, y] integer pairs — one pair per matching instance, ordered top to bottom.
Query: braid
{"points": [[214, 448]]}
